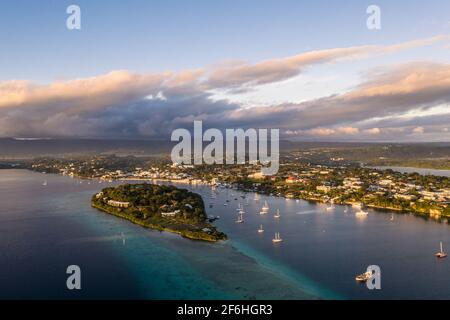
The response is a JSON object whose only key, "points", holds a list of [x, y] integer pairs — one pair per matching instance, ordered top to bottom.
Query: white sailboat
{"points": [[44, 183], [256, 197], [265, 208], [361, 213], [277, 215], [392, 217], [240, 218], [260, 230], [277, 238], [123, 239], [441, 253], [363, 277]]}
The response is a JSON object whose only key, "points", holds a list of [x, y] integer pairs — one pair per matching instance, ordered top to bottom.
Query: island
{"points": [[160, 207]]}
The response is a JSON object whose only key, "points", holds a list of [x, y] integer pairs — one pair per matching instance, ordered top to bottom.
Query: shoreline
{"points": [[421, 214], [155, 227]]}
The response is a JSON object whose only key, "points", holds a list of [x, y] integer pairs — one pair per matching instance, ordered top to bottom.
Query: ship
{"points": [[264, 209], [361, 213], [277, 215], [240, 218], [277, 238], [441, 254], [363, 277]]}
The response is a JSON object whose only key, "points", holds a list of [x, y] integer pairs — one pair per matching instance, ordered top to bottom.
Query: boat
{"points": [[44, 183], [256, 197], [239, 208], [265, 208], [330, 208], [361, 213], [277, 215], [392, 217], [240, 218], [260, 230], [277, 238], [123, 239], [441, 253], [363, 277]]}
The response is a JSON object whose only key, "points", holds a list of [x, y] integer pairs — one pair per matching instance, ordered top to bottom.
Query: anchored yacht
{"points": [[277, 238], [441, 253]]}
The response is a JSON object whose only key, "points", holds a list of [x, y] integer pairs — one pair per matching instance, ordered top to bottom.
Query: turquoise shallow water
{"points": [[43, 229]]}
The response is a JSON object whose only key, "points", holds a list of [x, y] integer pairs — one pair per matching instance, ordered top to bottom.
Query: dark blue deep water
{"points": [[43, 229]]}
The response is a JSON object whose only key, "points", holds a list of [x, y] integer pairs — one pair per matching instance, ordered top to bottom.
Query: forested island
{"points": [[164, 208]]}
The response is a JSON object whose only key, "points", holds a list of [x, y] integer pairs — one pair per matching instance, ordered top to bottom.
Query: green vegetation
{"points": [[165, 208]]}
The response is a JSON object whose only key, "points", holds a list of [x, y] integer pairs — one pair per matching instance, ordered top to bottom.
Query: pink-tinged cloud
{"points": [[241, 74], [119, 103], [419, 130], [372, 131]]}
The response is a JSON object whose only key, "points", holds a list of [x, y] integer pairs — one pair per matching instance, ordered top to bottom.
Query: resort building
{"points": [[118, 204]]}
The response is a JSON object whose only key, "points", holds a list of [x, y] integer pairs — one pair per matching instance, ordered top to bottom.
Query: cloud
{"points": [[241, 75], [125, 104], [418, 130], [372, 131]]}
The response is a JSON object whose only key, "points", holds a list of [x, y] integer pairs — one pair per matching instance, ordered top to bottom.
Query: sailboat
{"points": [[44, 183], [256, 197], [239, 208], [265, 208], [361, 213], [277, 215], [392, 217], [240, 218], [260, 230], [277, 238], [441, 254], [363, 277]]}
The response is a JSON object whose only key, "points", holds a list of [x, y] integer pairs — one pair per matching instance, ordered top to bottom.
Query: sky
{"points": [[142, 68]]}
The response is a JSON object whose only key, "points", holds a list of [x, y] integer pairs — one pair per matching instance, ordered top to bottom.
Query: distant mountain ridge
{"points": [[30, 148]]}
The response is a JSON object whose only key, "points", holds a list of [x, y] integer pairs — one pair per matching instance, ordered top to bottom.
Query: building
{"points": [[291, 180], [325, 189], [407, 197], [118, 204], [170, 214]]}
